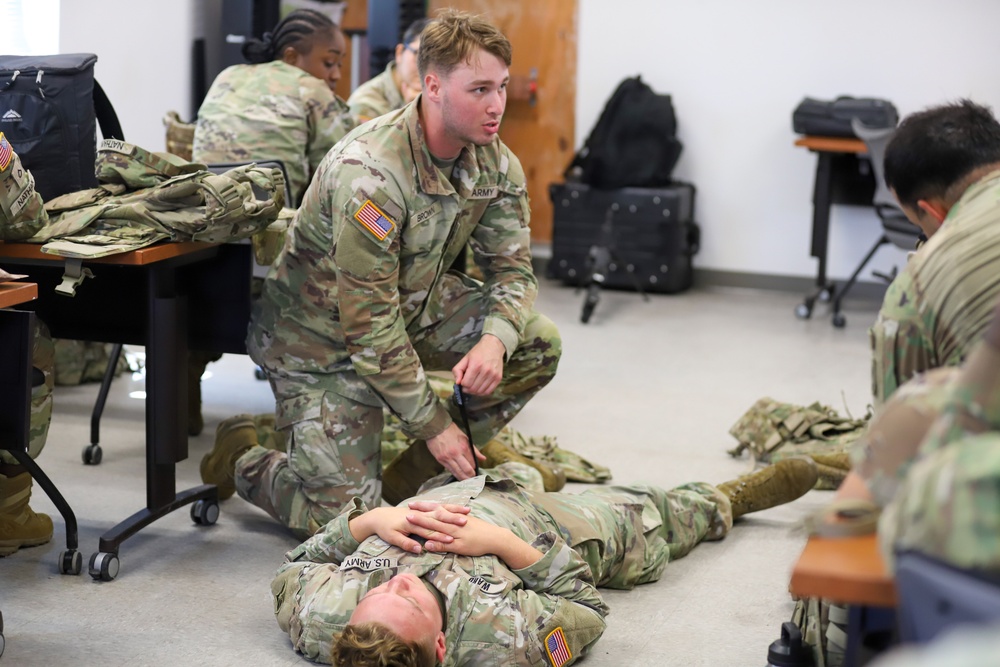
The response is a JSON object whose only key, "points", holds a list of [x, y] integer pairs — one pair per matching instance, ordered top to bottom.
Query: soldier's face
{"points": [[324, 58], [406, 68], [473, 98], [404, 605]]}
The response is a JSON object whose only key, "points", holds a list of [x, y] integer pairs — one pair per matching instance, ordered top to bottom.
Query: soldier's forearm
{"points": [[514, 551]]}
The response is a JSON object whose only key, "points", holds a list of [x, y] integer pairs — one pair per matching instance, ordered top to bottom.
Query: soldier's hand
{"points": [[480, 371], [451, 449], [399, 525], [475, 538]]}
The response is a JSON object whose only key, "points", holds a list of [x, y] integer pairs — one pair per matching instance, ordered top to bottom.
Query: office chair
{"points": [[896, 228], [935, 597]]}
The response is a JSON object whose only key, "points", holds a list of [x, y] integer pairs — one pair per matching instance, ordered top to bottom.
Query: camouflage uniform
{"points": [[377, 96], [271, 111], [940, 304], [358, 306], [42, 358], [616, 537]]}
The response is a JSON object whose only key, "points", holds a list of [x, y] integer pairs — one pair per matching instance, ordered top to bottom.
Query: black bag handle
{"points": [[106, 116]]}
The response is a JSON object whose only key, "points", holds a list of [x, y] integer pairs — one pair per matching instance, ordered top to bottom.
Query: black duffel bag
{"points": [[833, 119]]}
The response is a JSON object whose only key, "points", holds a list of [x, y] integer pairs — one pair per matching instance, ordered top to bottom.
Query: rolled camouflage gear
{"points": [[938, 307], [772, 431]]}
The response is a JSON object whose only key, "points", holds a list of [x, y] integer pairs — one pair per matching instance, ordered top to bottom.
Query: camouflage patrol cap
{"points": [[128, 164], [884, 453], [947, 506]]}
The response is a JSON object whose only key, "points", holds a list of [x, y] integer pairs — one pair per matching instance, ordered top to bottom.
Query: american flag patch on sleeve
{"points": [[6, 152], [374, 220], [556, 647]]}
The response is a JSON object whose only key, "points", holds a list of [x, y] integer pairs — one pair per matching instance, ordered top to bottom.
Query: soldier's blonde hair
{"points": [[453, 38], [374, 645]]}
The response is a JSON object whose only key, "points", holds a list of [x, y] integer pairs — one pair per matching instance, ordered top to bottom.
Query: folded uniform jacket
{"points": [[148, 197]]}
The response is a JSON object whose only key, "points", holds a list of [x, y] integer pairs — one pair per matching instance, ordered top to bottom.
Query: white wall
{"points": [[143, 52], [736, 70]]}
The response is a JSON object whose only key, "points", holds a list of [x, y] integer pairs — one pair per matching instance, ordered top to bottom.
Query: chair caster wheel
{"points": [[825, 295], [803, 311], [839, 320], [92, 455], [205, 512], [70, 562], [104, 566]]}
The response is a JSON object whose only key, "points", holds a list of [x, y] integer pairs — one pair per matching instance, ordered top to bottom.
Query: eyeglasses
{"points": [[415, 52]]}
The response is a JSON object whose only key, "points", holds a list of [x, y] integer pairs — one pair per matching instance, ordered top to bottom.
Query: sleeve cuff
{"points": [[503, 330], [439, 421], [334, 542], [536, 575]]}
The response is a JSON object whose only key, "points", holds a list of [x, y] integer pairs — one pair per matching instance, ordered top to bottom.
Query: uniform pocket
{"points": [[313, 455]]}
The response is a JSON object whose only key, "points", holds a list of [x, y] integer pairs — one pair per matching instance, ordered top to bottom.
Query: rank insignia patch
{"points": [[374, 220], [556, 647]]}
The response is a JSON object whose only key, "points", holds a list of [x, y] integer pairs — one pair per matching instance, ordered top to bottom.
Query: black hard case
{"points": [[654, 234]]}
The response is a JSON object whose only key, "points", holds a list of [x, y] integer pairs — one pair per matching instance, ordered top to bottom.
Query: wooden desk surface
{"points": [[832, 144], [148, 255], [12, 293], [847, 570]]}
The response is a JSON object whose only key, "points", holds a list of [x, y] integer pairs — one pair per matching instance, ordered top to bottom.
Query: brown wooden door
{"points": [[543, 36]]}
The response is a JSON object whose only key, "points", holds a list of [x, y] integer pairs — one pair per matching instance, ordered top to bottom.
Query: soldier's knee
{"points": [[541, 336]]}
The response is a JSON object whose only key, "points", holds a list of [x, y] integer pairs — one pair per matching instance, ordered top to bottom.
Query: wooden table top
{"points": [[832, 144], [147, 255], [12, 293], [844, 569]]}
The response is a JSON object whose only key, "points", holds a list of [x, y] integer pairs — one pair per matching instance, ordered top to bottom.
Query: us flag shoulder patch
{"points": [[6, 152], [374, 220], [557, 648]]}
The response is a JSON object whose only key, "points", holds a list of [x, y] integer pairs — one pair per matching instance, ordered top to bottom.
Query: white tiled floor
{"points": [[649, 389]]}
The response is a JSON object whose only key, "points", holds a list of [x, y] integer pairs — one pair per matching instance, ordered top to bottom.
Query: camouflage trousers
{"points": [[42, 358], [333, 443], [604, 525]]}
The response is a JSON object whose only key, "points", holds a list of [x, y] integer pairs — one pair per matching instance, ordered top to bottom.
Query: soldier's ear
{"points": [[290, 56], [432, 86], [439, 646]]}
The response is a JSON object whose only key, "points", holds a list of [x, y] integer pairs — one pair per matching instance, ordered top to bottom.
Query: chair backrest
{"points": [[222, 167], [897, 226], [934, 597]]}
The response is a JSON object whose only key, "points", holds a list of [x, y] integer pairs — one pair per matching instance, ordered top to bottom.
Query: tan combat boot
{"points": [[233, 438], [832, 469], [403, 476], [553, 477], [777, 484], [19, 525]]}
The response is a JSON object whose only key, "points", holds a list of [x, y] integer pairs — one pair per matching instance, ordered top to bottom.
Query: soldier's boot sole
{"points": [[233, 438], [553, 477], [777, 484], [20, 526]]}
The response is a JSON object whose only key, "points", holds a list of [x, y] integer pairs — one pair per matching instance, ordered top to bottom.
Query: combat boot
{"points": [[233, 438], [496, 453], [832, 469], [402, 478], [777, 484], [20, 526]]}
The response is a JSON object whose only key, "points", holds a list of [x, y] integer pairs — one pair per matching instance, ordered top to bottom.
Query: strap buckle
{"points": [[73, 275]]}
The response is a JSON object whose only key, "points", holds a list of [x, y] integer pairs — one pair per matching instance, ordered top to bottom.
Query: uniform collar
{"points": [[430, 178]]}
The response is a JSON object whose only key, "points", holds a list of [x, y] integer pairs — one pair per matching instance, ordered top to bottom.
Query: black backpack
{"points": [[48, 107], [633, 143]]}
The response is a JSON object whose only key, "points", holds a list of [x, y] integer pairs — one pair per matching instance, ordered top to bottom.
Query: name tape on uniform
{"points": [[118, 146], [484, 193], [22, 199], [374, 220], [368, 564], [487, 587]]}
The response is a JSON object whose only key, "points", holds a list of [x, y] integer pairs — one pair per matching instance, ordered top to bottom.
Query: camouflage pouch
{"points": [[180, 135], [135, 167], [21, 210], [771, 431], [824, 630]]}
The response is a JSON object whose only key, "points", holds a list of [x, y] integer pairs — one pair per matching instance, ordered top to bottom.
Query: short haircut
{"points": [[297, 30], [413, 31], [453, 38], [934, 150], [375, 645]]}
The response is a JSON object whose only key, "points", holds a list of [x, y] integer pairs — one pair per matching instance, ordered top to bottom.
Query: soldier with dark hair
{"points": [[398, 85], [281, 106]]}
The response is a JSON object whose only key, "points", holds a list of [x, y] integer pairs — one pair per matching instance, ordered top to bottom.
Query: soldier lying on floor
{"points": [[489, 571]]}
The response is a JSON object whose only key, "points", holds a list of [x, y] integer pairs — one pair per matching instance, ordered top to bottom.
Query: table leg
{"points": [[822, 200]]}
